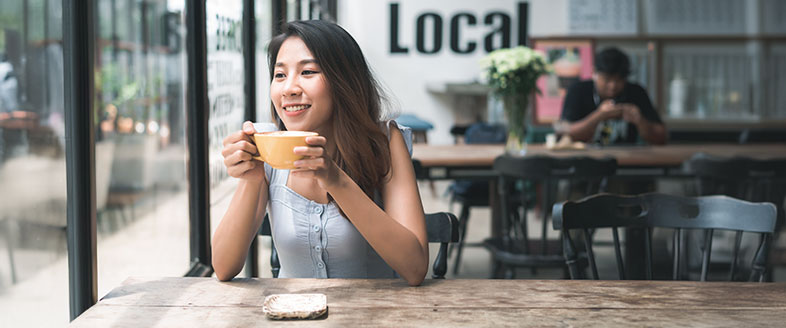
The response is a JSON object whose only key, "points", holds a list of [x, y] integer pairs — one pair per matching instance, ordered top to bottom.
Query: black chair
{"points": [[458, 132], [748, 136], [420, 172], [740, 177], [743, 178], [473, 193], [648, 211], [441, 227], [265, 230], [514, 248]]}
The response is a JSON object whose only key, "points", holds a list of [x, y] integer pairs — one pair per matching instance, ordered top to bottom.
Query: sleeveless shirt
{"points": [[314, 240]]}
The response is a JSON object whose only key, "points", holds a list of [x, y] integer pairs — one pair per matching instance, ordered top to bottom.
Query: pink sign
{"points": [[571, 61]]}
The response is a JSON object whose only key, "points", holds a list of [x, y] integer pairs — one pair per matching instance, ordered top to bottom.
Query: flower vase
{"points": [[516, 112], [516, 145]]}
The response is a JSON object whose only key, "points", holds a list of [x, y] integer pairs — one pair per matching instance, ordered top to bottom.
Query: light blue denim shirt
{"points": [[313, 240]]}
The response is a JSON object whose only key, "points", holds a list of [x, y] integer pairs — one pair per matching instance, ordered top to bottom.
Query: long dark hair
{"points": [[363, 148]]}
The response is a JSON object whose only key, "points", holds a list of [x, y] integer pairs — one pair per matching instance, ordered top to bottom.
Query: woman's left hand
{"points": [[317, 163]]}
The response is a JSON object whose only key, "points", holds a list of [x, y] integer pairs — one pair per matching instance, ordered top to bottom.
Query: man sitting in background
{"points": [[610, 110]]}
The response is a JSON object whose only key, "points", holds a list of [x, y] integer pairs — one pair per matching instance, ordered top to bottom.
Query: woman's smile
{"points": [[295, 110]]}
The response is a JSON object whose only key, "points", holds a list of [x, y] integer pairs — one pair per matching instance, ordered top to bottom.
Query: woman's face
{"points": [[299, 91]]}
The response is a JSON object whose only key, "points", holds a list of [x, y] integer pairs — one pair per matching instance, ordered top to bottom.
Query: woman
{"points": [[327, 215]]}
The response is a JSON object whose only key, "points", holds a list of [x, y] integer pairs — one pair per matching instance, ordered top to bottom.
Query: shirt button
{"points": [[318, 210], [316, 228], [318, 248], [320, 265]]}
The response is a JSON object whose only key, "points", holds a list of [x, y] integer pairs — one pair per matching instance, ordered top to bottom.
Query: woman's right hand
{"points": [[238, 152]]}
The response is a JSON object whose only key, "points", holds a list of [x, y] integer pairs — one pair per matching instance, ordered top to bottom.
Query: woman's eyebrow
{"points": [[300, 63]]}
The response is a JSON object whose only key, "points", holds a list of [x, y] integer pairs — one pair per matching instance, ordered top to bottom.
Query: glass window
{"points": [[295, 8], [311, 9], [264, 32], [775, 75], [709, 81], [226, 95], [140, 99], [33, 261]]}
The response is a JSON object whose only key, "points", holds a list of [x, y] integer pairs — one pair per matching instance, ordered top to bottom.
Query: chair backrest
{"points": [[484, 133], [762, 135], [540, 167], [735, 168], [547, 170], [420, 171], [741, 177], [658, 210], [441, 227], [265, 230]]}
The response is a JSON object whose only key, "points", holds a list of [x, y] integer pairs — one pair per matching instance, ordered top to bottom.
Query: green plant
{"points": [[512, 73], [120, 87], [137, 99]]}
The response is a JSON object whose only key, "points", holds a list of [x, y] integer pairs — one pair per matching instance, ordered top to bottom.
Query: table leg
{"points": [[496, 210], [10, 247]]}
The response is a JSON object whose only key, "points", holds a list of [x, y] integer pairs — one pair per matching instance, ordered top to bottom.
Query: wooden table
{"points": [[448, 156], [206, 302]]}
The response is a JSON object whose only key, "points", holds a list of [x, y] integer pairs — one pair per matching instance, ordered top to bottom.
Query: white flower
{"points": [[511, 69]]}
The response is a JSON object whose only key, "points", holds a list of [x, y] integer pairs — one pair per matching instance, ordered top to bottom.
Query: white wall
{"points": [[548, 18], [406, 75]]}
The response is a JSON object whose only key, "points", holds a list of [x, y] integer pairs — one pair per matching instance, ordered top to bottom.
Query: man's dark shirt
{"points": [[581, 100]]}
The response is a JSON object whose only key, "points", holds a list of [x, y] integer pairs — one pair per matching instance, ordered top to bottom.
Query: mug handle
{"points": [[259, 158]]}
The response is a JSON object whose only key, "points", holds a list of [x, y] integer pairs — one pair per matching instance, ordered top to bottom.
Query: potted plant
{"points": [[511, 74], [125, 108]]}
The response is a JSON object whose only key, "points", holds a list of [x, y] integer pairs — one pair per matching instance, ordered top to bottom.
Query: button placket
{"points": [[318, 234]]}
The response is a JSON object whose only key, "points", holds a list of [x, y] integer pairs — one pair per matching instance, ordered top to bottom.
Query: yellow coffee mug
{"points": [[277, 148]]}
